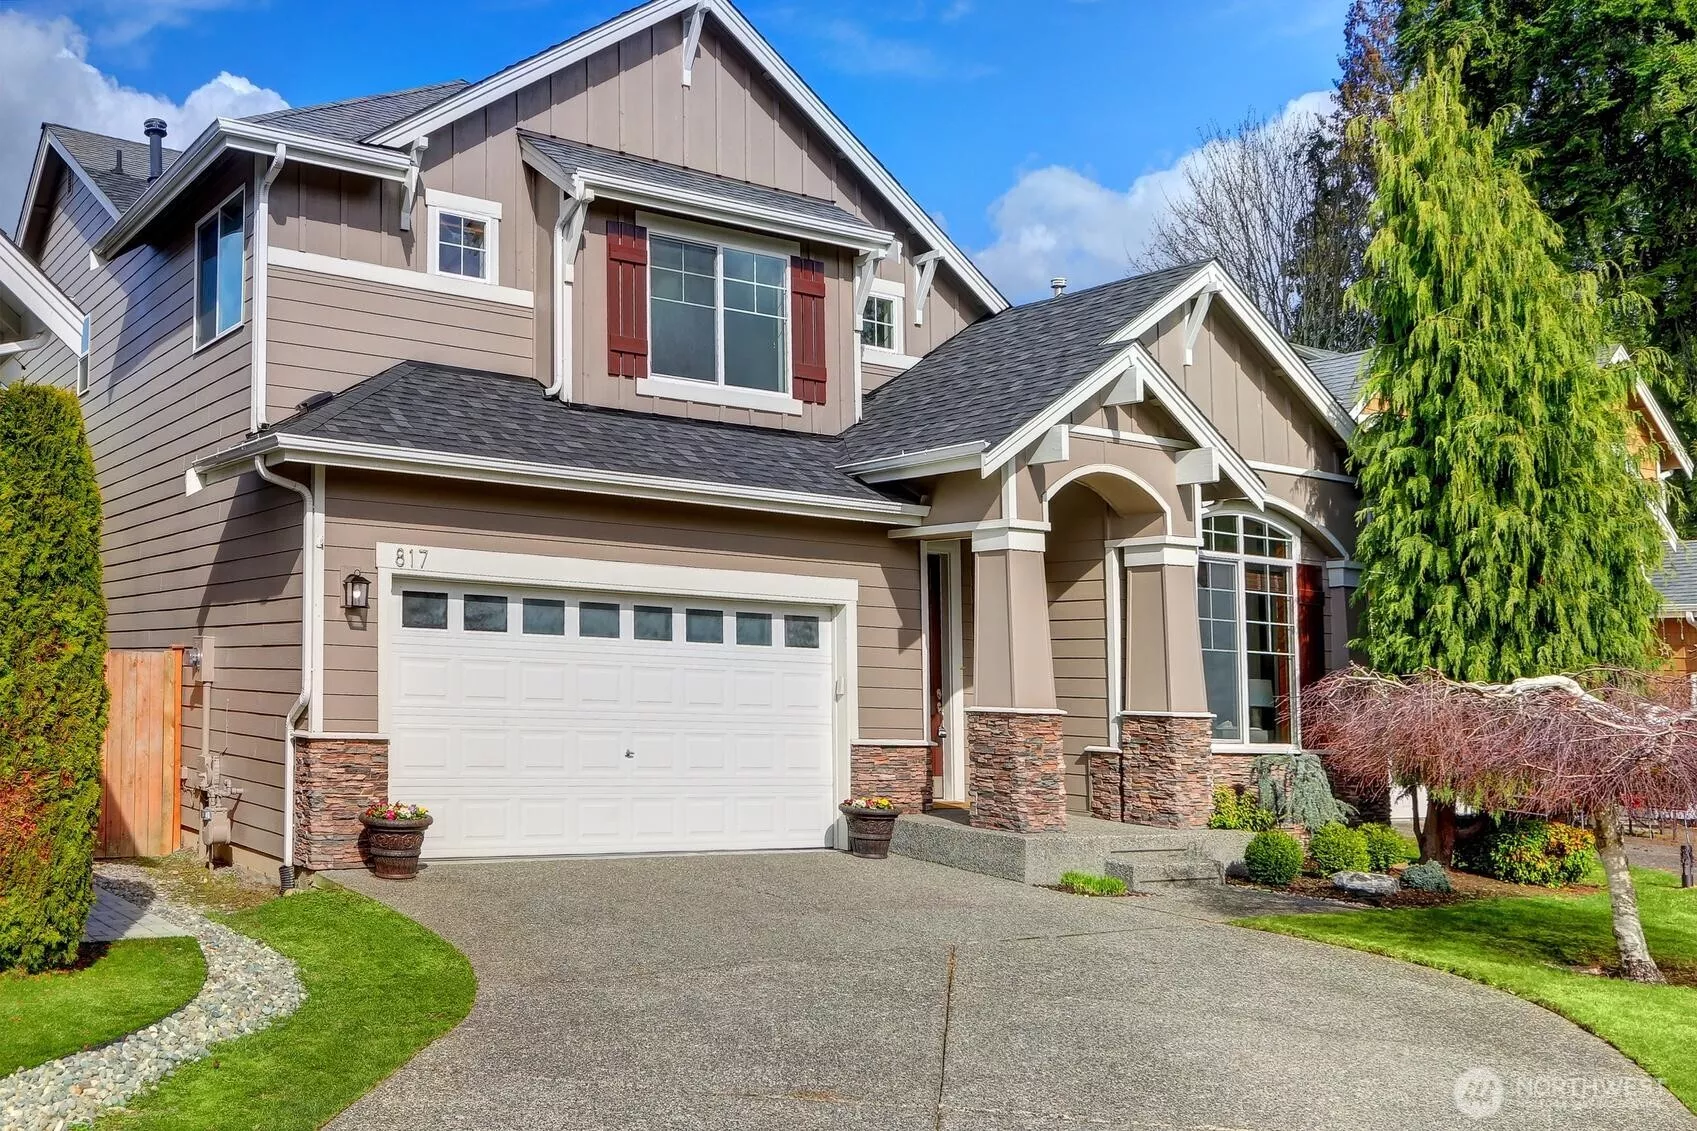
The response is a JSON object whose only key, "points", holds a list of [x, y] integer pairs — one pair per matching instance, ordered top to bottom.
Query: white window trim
{"points": [[441, 204], [194, 316], [896, 357], [718, 392], [1239, 560]]}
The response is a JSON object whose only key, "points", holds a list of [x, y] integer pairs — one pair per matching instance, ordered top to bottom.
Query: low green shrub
{"points": [[1239, 809], [1339, 848], [1386, 848], [1529, 851], [1273, 857], [1429, 876], [1088, 883]]}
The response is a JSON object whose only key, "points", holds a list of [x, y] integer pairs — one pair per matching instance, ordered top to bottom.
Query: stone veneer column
{"points": [[900, 772], [1168, 772], [335, 779], [1016, 779]]}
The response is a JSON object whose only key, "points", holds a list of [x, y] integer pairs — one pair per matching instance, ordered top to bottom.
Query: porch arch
{"points": [[1124, 491]]}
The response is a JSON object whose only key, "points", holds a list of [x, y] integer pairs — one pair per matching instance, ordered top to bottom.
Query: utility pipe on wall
{"points": [[262, 286], [311, 578]]}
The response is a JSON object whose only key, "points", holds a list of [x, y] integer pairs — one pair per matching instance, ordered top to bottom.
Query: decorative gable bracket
{"points": [[692, 39], [415, 156], [925, 270], [1193, 323]]}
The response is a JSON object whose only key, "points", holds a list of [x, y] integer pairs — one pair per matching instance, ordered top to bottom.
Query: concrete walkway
{"points": [[115, 917], [811, 990]]}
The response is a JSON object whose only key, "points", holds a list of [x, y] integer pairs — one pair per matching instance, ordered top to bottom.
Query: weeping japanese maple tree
{"points": [[1504, 532], [1550, 745]]}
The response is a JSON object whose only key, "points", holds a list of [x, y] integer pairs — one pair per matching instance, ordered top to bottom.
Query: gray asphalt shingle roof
{"points": [[352, 119], [575, 155], [98, 156], [1342, 373], [993, 376], [437, 408], [1677, 579]]}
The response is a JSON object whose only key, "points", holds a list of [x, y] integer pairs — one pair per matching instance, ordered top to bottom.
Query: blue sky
{"points": [[1024, 126]]}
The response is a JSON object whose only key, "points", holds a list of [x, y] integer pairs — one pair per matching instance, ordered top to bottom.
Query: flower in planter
{"points": [[870, 802], [396, 811]]}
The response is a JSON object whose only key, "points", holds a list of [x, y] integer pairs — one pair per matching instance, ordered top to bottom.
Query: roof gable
{"points": [[731, 22], [351, 119], [26, 289]]}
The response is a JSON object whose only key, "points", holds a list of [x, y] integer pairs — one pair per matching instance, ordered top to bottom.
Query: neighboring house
{"points": [[612, 456], [1660, 456]]}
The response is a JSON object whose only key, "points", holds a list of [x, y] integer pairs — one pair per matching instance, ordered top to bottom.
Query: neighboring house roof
{"points": [[580, 47], [351, 119], [574, 157], [97, 158], [46, 308], [1343, 374], [987, 381], [437, 418], [1677, 580]]}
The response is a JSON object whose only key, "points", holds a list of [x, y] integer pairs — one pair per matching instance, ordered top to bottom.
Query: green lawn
{"points": [[1531, 947], [130, 986], [379, 988]]}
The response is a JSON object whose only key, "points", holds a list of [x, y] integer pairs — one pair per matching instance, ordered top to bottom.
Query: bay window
{"points": [[718, 314], [1245, 596]]}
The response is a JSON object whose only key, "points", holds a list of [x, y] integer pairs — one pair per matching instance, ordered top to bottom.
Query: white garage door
{"points": [[535, 722]]}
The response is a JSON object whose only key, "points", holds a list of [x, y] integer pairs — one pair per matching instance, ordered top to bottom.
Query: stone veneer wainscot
{"points": [[900, 772], [1168, 774], [336, 778], [1016, 779]]}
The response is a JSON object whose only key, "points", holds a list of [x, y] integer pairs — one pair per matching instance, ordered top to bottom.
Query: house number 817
{"points": [[410, 557]]}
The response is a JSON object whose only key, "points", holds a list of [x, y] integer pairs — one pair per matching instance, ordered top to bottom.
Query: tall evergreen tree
{"points": [[1332, 237], [1504, 533]]}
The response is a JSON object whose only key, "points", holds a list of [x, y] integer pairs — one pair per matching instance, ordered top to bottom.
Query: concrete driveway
{"points": [[813, 990]]}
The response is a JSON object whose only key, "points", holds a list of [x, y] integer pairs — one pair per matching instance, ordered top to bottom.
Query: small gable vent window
{"points": [[463, 236], [219, 241]]}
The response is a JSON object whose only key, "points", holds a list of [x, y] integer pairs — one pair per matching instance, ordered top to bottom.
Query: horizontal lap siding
{"points": [[328, 333], [364, 510], [224, 562], [1075, 572]]}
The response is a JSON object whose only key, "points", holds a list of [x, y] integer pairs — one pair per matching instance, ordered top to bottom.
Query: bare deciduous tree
{"points": [[1247, 192], [1549, 744]]}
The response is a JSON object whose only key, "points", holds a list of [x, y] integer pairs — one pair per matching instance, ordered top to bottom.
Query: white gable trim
{"points": [[521, 75], [49, 143], [1210, 276], [41, 300], [1659, 418]]}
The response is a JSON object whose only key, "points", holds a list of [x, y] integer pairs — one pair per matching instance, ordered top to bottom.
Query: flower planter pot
{"points": [[869, 830], [393, 846]]}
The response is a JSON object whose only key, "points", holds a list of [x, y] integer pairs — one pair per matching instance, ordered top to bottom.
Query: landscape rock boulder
{"points": [[1366, 883]]}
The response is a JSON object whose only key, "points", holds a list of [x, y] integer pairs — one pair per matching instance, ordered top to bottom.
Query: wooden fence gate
{"points": [[143, 755]]}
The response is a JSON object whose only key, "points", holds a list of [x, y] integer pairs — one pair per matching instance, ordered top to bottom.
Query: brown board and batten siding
{"points": [[328, 333], [363, 510], [224, 562]]}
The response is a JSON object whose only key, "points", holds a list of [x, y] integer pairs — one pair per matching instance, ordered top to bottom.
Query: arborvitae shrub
{"points": [[52, 676]]}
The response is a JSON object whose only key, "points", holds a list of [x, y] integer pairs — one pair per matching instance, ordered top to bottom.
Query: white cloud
{"points": [[119, 22], [49, 79], [1057, 220]]}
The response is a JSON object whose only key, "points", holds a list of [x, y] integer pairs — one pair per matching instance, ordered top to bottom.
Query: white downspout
{"points": [[262, 286], [310, 583]]}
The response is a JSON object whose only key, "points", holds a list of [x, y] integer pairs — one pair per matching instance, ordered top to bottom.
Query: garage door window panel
{"points": [[424, 610], [484, 613], [544, 618], [598, 620], [653, 622], [704, 626], [754, 629], [801, 632]]}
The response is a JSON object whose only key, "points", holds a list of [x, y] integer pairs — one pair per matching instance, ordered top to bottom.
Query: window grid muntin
{"points": [[460, 240], [769, 288], [878, 323], [1226, 539]]}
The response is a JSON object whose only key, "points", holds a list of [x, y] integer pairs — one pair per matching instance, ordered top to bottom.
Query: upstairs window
{"points": [[463, 236], [219, 241], [718, 314], [881, 318], [1245, 596]]}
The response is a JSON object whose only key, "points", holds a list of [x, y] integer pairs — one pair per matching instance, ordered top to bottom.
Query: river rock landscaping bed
{"points": [[248, 987]]}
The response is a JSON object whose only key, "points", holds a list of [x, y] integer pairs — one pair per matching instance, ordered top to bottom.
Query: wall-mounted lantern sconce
{"points": [[356, 591]]}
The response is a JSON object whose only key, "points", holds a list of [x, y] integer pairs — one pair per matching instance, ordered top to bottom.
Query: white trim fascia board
{"points": [[766, 58], [247, 137], [50, 143], [459, 204], [705, 207], [1211, 275], [459, 286], [887, 288], [41, 298], [888, 359], [730, 396], [1184, 411], [1057, 412], [1665, 426], [1166, 443], [283, 448], [907, 465], [1302, 472], [1666, 526], [948, 530], [988, 539], [1155, 541], [1138, 557], [1341, 573], [613, 575], [1015, 711], [1153, 713], [861, 740]]}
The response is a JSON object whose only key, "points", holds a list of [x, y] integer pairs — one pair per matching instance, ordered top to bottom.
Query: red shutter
{"points": [[627, 300], [807, 329], [1310, 625]]}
